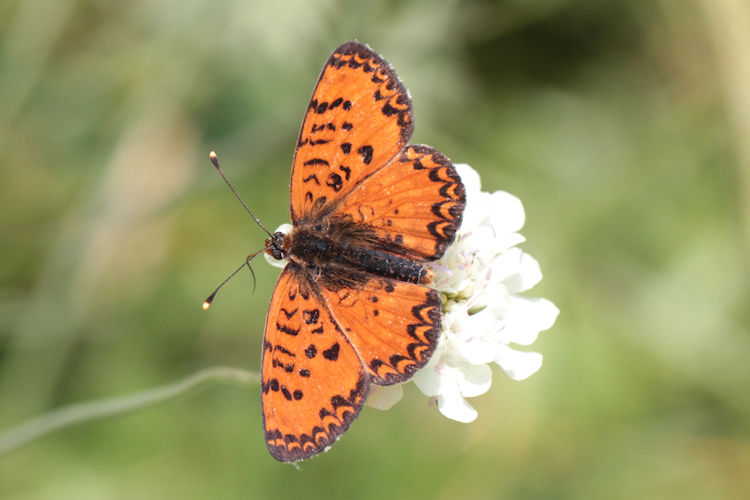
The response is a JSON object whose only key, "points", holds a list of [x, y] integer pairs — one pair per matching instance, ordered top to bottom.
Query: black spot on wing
{"points": [[336, 103], [366, 152], [315, 161], [347, 171], [311, 177], [335, 182], [289, 314], [311, 316], [287, 330], [284, 350], [311, 351], [332, 353], [286, 393]]}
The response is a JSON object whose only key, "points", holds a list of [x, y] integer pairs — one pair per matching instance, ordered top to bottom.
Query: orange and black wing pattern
{"points": [[359, 118], [416, 202], [338, 323], [393, 326], [313, 383]]}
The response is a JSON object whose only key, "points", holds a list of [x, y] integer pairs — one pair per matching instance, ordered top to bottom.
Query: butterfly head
{"points": [[275, 246]]}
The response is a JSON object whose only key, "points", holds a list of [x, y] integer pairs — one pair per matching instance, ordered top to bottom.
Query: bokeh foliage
{"points": [[624, 127]]}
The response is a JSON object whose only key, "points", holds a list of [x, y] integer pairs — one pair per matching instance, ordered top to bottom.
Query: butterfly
{"points": [[351, 307]]}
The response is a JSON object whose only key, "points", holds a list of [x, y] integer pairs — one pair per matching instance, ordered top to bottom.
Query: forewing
{"points": [[359, 117], [416, 201], [394, 326], [313, 383]]}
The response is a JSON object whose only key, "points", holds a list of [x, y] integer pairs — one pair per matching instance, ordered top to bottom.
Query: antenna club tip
{"points": [[214, 160], [206, 305]]}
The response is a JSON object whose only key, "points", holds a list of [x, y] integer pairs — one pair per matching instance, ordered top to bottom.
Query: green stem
{"points": [[48, 423]]}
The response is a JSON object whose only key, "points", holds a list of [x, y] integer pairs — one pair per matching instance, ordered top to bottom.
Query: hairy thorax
{"points": [[337, 252]]}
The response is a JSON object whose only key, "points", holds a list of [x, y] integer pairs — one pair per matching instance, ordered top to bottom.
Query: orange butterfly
{"points": [[350, 308]]}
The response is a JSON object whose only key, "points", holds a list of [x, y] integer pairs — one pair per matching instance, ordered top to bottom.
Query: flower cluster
{"points": [[480, 278]]}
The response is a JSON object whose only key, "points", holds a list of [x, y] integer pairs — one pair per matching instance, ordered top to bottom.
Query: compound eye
{"points": [[318, 227], [321, 246], [277, 253]]}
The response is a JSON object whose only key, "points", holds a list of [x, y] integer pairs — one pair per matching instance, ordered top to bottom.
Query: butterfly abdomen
{"points": [[385, 264]]}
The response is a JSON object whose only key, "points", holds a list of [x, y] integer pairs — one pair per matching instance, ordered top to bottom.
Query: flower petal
{"points": [[506, 212], [507, 240], [275, 263], [527, 274], [493, 295], [527, 317], [466, 327], [473, 343], [519, 365], [428, 379], [475, 380], [383, 397], [454, 406]]}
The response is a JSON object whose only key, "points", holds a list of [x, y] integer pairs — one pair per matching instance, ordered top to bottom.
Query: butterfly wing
{"points": [[359, 118], [416, 201], [393, 325], [313, 383]]}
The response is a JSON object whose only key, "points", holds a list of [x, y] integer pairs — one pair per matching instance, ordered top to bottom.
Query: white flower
{"points": [[480, 278]]}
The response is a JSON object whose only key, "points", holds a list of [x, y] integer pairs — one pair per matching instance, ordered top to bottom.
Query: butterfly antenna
{"points": [[215, 161], [255, 282], [207, 303]]}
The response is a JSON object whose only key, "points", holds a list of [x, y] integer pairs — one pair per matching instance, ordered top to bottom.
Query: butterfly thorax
{"points": [[340, 253]]}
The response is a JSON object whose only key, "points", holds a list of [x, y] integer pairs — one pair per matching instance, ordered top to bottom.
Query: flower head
{"points": [[480, 278]]}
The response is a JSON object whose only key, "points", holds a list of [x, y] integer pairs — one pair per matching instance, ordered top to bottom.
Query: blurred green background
{"points": [[623, 126]]}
